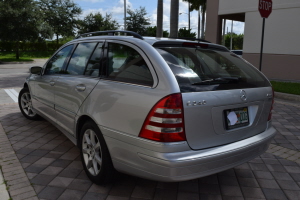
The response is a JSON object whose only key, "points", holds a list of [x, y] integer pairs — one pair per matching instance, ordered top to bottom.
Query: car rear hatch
{"points": [[225, 99]]}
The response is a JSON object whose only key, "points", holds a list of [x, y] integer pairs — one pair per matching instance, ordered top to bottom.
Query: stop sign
{"points": [[265, 8]]}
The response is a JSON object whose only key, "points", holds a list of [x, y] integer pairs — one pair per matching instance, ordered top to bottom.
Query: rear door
{"points": [[80, 77], [225, 99]]}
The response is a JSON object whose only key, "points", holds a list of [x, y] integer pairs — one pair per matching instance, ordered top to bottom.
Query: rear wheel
{"points": [[25, 105], [95, 156]]}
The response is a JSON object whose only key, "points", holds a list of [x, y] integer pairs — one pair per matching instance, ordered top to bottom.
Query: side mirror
{"points": [[36, 70]]}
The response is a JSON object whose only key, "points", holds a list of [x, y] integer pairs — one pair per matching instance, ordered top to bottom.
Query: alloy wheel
{"points": [[26, 104], [91, 150]]}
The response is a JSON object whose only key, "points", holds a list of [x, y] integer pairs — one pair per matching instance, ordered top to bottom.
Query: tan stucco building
{"points": [[281, 58]]}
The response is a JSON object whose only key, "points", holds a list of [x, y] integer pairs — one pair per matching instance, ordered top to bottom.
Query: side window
{"points": [[80, 58], [56, 63], [127, 65], [93, 66]]}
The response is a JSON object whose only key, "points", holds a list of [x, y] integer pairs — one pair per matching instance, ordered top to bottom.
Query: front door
{"points": [[44, 88]]}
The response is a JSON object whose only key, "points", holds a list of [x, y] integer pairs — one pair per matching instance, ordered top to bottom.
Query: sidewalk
{"points": [[39, 162]]}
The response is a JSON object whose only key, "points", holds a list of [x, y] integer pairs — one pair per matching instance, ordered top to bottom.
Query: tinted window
{"points": [[238, 52], [80, 58], [94, 62], [56, 63], [127, 65], [199, 69]]}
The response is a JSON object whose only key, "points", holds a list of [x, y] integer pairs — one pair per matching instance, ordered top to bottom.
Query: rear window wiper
{"points": [[219, 80]]}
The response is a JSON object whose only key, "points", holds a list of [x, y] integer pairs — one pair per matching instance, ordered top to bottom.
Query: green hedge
{"points": [[29, 46], [286, 87]]}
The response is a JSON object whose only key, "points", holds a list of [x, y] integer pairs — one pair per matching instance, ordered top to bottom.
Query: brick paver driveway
{"points": [[39, 162]]}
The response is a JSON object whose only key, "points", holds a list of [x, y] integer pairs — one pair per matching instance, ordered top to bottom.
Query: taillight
{"points": [[191, 44], [270, 114], [165, 122]]}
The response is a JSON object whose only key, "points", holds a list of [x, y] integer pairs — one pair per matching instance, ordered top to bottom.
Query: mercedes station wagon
{"points": [[157, 108]]}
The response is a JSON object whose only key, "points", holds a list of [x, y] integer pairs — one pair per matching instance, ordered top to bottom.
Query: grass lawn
{"points": [[24, 56], [286, 87]]}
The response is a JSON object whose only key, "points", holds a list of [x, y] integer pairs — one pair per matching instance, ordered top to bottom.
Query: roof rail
{"points": [[110, 32], [193, 39]]}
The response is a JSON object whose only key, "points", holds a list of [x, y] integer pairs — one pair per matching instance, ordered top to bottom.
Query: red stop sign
{"points": [[265, 8]]}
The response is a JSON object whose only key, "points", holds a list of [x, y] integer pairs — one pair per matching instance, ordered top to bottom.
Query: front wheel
{"points": [[25, 105], [95, 156]]}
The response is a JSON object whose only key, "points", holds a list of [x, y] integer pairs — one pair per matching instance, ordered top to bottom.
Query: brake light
{"points": [[191, 44], [270, 114], [165, 122]]}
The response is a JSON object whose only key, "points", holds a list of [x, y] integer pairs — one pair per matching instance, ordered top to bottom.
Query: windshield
{"points": [[198, 69]]}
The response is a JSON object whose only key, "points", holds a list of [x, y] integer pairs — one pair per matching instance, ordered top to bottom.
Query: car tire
{"points": [[25, 105], [95, 156]]}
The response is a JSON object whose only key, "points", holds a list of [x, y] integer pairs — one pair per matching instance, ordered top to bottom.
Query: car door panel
{"points": [[44, 88], [70, 93], [43, 96]]}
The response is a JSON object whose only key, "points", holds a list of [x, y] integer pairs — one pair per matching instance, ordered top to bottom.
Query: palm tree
{"points": [[199, 5], [174, 18], [159, 20]]}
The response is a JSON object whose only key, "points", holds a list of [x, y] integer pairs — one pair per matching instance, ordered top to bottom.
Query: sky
{"points": [[116, 8]]}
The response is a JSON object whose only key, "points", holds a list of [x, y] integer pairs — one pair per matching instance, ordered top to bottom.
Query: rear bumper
{"points": [[186, 165]]}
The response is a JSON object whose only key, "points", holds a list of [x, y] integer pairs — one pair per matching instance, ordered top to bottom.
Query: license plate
{"points": [[235, 118]]}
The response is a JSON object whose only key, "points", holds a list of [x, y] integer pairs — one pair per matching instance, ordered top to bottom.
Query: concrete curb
{"points": [[23, 62], [291, 97], [17, 182], [3, 192]]}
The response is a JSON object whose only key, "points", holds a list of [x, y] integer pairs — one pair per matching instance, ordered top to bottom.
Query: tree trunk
{"points": [[189, 15], [174, 18], [159, 20], [199, 20], [202, 24], [125, 28], [56, 38], [17, 51]]}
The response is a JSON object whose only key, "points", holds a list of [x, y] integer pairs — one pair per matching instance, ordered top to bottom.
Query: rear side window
{"points": [[80, 58], [125, 64], [93, 65], [204, 69]]}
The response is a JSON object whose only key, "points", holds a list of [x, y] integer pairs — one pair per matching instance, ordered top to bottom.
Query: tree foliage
{"points": [[195, 4], [60, 15], [20, 21], [137, 21], [96, 22], [151, 31], [186, 33], [237, 41]]}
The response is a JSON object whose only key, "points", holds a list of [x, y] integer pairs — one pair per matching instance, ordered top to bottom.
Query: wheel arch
{"points": [[80, 122]]}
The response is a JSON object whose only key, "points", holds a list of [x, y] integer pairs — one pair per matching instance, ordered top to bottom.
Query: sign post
{"points": [[265, 9]]}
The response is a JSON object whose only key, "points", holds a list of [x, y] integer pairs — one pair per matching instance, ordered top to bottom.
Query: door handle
{"points": [[52, 83], [80, 87]]}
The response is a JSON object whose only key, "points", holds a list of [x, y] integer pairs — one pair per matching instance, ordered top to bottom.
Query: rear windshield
{"points": [[198, 69]]}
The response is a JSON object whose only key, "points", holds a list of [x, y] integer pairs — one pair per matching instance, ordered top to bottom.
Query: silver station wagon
{"points": [[158, 108]]}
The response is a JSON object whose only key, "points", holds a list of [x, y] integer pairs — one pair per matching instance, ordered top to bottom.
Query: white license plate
{"points": [[241, 118]]}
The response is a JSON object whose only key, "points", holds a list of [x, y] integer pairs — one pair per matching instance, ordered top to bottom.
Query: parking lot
{"points": [[39, 162]]}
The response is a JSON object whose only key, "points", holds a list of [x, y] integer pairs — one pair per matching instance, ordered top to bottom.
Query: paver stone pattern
{"points": [[53, 168]]}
